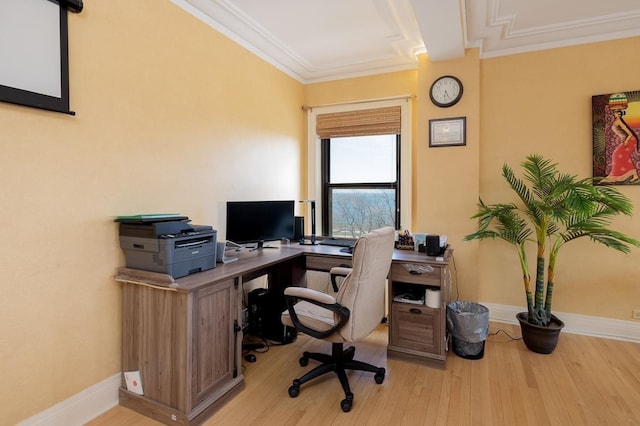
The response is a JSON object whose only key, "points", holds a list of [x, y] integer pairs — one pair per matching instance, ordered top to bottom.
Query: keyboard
{"points": [[337, 242]]}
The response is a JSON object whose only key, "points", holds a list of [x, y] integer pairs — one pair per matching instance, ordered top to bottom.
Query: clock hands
{"points": [[446, 91]]}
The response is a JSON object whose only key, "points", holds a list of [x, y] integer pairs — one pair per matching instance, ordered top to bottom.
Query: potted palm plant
{"points": [[556, 208]]}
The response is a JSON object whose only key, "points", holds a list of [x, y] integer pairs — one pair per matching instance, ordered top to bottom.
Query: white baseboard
{"points": [[574, 323], [101, 397], [80, 408]]}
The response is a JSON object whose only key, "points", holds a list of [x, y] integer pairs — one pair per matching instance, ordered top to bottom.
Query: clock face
{"points": [[446, 91]]}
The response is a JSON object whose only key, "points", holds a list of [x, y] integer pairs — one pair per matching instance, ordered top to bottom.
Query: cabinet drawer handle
{"points": [[415, 272], [415, 311]]}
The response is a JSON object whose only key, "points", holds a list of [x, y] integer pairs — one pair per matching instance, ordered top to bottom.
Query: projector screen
{"points": [[34, 63]]}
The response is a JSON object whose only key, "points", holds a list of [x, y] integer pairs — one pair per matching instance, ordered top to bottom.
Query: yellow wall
{"points": [[364, 88], [530, 103], [541, 103], [171, 117], [444, 180], [446, 184]]}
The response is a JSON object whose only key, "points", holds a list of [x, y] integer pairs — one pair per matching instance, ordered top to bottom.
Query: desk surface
{"points": [[398, 255], [251, 261]]}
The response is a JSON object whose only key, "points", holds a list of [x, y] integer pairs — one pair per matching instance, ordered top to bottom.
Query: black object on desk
{"points": [[313, 224], [337, 242]]}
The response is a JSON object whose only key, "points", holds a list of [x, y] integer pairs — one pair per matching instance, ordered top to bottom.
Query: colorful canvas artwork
{"points": [[616, 129]]}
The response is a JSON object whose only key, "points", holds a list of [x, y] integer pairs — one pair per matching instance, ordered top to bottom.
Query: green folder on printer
{"points": [[151, 217]]}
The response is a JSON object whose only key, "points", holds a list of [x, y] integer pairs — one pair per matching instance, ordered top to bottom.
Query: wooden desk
{"points": [[417, 333], [184, 335]]}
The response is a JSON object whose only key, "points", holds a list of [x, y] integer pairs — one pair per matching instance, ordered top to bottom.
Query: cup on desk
{"points": [[419, 239]]}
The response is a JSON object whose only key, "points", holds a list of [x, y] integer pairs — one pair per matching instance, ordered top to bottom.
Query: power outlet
{"points": [[636, 314]]}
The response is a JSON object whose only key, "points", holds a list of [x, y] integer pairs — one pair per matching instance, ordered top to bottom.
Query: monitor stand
{"points": [[261, 246]]}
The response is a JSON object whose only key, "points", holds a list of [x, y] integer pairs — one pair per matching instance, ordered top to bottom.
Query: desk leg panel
{"points": [[155, 329], [214, 339]]}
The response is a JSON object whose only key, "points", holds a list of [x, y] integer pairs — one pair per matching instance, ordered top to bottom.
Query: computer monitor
{"points": [[259, 221]]}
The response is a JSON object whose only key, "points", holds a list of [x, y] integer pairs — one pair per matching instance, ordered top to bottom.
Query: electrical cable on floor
{"points": [[508, 335], [511, 338], [274, 343], [266, 344], [260, 346]]}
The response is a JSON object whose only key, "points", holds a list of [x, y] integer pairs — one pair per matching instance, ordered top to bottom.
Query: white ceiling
{"points": [[324, 40]]}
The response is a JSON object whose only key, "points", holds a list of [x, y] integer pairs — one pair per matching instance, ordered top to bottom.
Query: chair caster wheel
{"points": [[305, 359], [379, 377], [294, 391], [346, 403]]}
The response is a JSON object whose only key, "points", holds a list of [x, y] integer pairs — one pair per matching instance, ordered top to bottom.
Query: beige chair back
{"points": [[363, 290]]}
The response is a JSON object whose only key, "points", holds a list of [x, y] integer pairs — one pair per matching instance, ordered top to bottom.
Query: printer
{"points": [[170, 245]]}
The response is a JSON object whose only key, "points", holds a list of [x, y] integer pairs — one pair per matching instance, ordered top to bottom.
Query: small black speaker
{"points": [[298, 228], [433, 245]]}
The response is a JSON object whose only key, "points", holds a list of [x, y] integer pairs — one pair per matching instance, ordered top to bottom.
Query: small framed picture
{"points": [[448, 132]]}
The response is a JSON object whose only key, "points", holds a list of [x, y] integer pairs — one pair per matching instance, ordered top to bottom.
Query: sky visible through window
{"points": [[363, 159]]}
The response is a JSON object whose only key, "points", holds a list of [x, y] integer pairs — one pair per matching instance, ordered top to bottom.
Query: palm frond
{"points": [[540, 173], [517, 185], [614, 199], [556, 207], [505, 221], [619, 242]]}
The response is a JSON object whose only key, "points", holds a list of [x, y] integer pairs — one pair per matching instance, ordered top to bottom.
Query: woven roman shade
{"points": [[377, 121]]}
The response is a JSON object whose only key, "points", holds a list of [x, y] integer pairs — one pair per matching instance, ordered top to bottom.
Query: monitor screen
{"points": [[257, 221]]}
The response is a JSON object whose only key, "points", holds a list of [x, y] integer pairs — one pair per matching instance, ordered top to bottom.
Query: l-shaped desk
{"points": [[184, 336]]}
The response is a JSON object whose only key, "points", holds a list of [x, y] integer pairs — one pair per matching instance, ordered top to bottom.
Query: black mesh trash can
{"points": [[468, 325]]}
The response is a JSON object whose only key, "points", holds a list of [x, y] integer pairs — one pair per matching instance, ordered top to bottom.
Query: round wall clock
{"points": [[446, 91]]}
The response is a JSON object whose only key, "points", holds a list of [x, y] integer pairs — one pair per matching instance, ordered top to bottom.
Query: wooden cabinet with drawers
{"points": [[417, 332]]}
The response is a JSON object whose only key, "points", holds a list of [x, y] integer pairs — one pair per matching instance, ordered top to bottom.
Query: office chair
{"points": [[337, 274], [348, 317]]}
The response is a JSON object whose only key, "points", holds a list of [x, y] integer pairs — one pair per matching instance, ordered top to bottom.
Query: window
{"points": [[359, 168], [360, 184]]}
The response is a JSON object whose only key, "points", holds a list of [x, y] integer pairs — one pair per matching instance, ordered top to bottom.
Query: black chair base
{"points": [[339, 361]]}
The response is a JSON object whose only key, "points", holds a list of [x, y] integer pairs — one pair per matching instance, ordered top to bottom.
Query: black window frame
{"points": [[327, 186]]}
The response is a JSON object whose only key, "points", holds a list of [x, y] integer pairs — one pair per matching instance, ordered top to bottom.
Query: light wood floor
{"points": [[586, 381]]}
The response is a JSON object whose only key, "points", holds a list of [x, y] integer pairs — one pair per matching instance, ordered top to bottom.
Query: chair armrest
{"points": [[338, 271], [309, 294], [323, 300]]}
